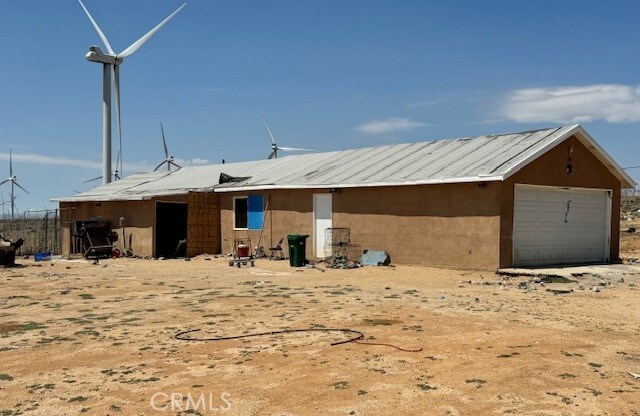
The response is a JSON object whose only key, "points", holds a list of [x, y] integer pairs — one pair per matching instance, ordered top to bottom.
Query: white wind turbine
{"points": [[108, 61], [274, 146], [167, 159], [116, 173], [14, 182], [3, 204]]}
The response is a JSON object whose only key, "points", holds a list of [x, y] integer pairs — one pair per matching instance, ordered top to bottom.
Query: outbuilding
{"points": [[533, 198]]}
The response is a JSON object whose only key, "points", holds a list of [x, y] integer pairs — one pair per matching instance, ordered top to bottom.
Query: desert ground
{"points": [[79, 338]]}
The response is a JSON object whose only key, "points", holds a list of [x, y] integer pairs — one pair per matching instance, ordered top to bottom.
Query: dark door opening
{"points": [[171, 229]]}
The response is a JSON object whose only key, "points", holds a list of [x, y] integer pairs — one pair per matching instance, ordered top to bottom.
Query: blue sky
{"points": [[325, 74]]}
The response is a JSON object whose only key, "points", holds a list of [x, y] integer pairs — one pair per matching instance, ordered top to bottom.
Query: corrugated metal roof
{"points": [[470, 159]]}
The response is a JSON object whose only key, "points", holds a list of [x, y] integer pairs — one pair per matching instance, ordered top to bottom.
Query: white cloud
{"points": [[614, 103], [389, 125], [50, 160], [191, 162], [142, 166]]}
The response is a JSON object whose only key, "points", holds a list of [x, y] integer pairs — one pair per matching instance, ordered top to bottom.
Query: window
{"points": [[247, 212], [240, 213]]}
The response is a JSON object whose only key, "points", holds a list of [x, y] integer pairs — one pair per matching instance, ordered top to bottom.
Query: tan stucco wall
{"points": [[549, 170], [289, 212], [139, 215], [444, 225], [453, 225]]}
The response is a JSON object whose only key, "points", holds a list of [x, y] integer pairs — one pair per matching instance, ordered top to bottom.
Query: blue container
{"points": [[42, 256]]}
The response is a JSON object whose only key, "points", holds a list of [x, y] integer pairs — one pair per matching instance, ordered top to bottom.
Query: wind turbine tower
{"points": [[112, 61], [14, 182]]}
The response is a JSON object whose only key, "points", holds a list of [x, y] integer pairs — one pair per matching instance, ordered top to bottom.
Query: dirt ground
{"points": [[630, 242], [77, 338]]}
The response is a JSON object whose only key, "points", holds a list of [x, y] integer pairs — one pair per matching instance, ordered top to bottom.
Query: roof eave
{"points": [[589, 142], [469, 179]]}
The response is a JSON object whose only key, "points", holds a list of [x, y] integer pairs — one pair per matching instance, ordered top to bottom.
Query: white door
{"points": [[322, 210], [560, 226]]}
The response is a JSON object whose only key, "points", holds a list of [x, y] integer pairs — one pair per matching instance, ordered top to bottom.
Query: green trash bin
{"points": [[297, 249]]}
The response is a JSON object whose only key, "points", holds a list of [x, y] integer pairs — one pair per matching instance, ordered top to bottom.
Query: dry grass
{"points": [[77, 338]]}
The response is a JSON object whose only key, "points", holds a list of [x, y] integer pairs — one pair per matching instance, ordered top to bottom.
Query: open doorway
{"points": [[171, 229]]}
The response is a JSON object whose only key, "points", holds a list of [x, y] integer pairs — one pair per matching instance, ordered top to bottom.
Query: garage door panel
{"points": [[528, 195], [547, 196], [595, 199], [526, 215], [551, 217], [591, 217], [556, 226], [549, 236], [521, 238], [524, 255]]}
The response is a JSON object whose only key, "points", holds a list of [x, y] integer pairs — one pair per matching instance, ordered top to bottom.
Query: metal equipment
{"points": [[96, 239], [8, 251], [242, 253]]}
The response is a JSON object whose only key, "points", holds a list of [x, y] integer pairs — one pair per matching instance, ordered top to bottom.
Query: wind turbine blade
{"points": [[97, 28], [137, 44], [116, 80], [273, 140], [164, 142], [292, 149], [272, 155], [175, 164], [10, 165], [158, 167], [92, 180], [4, 181], [18, 185]]}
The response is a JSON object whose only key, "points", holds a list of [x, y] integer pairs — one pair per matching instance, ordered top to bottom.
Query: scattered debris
{"points": [[340, 261], [313, 266]]}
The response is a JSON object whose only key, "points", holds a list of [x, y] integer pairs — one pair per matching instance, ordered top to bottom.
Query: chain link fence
{"points": [[630, 192], [40, 231]]}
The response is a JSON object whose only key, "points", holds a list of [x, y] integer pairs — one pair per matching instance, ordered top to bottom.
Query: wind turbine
{"points": [[108, 61], [274, 146], [167, 159], [116, 173], [116, 177], [14, 182], [3, 204]]}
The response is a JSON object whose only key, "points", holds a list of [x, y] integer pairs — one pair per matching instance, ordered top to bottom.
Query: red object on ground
{"points": [[243, 250]]}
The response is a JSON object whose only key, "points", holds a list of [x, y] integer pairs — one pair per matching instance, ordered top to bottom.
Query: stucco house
{"points": [[532, 198]]}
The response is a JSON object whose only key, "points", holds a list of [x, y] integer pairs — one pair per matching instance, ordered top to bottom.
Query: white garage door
{"points": [[560, 226]]}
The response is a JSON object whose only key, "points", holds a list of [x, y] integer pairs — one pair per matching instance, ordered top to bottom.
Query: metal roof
{"points": [[469, 159]]}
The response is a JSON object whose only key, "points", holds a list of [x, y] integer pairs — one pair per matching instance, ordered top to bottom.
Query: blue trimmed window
{"points": [[248, 212]]}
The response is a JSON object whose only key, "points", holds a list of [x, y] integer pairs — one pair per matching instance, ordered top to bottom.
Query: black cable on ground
{"points": [[359, 335], [357, 339], [382, 344]]}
